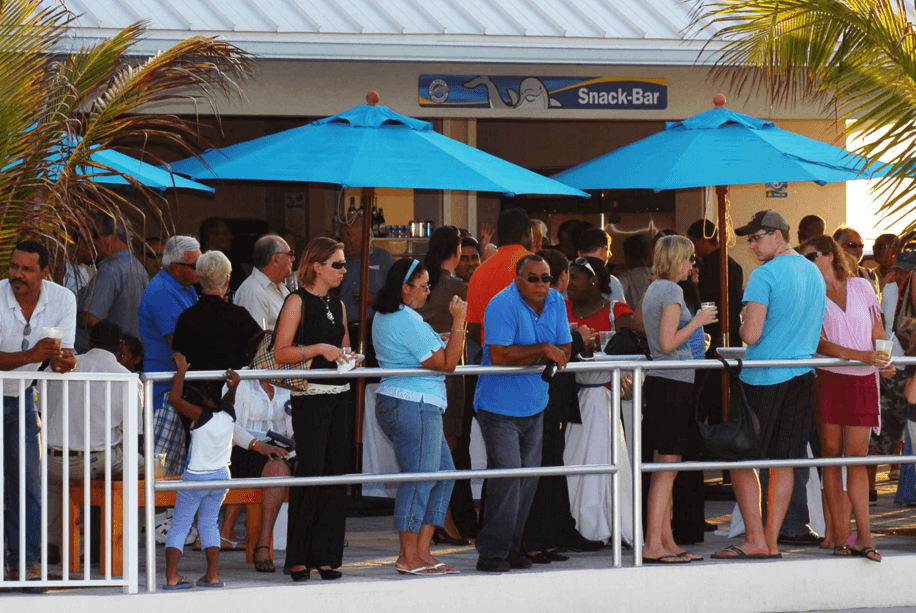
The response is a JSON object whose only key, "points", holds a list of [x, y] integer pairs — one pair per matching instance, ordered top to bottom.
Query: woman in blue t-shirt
{"points": [[669, 327], [409, 409]]}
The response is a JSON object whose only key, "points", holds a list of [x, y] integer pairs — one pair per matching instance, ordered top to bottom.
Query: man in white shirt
{"points": [[263, 292], [29, 304], [104, 338]]}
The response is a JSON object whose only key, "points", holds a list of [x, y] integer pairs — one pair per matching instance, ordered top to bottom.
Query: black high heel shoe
{"points": [[440, 537], [329, 574], [300, 575]]}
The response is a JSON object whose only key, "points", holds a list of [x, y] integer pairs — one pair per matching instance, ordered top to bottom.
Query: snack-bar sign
{"points": [[503, 92]]}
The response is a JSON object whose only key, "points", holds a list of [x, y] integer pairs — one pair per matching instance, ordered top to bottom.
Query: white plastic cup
{"points": [[707, 305], [55, 333], [604, 339], [885, 347]]}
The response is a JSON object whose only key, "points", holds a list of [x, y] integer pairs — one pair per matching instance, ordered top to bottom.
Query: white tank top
{"points": [[211, 444]]}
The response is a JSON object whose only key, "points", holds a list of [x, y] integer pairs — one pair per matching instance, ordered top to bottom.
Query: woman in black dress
{"points": [[312, 325]]}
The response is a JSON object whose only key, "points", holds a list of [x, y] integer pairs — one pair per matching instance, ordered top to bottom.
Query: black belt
{"points": [[60, 452]]}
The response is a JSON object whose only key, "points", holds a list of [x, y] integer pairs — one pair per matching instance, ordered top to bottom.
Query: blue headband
{"points": [[410, 270]]}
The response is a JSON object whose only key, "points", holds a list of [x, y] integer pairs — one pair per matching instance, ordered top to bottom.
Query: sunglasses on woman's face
{"points": [[813, 255], [337, 265]]}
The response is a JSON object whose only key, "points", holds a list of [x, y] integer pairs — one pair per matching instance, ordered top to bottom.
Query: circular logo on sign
{"points": [[438, 91]]}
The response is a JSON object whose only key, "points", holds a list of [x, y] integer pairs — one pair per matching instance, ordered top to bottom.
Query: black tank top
{"points": [[322, 322]]}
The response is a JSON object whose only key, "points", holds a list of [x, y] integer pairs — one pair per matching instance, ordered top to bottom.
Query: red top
{"points": [[489, 279], [600, 321]]}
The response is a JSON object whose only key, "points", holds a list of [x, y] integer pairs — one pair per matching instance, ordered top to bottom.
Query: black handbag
{"points": [[627, 341], [735, 438]]}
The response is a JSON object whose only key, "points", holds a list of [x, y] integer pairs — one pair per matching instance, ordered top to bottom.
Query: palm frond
{"points": [[856, 58], [58, 109]]}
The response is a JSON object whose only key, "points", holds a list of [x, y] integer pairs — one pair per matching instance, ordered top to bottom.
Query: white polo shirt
{"points": [[262, 298], [56, 308], [94, 361]]}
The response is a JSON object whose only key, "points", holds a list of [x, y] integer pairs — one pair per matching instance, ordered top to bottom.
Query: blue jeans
{"points": [[415, 429], [511, 442], [11, 482], [186, 504]]}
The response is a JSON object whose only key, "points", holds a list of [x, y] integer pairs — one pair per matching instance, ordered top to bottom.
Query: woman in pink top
{"points": [[846, 398]]}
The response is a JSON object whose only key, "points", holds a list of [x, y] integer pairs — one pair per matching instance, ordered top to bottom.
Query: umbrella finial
{"points": [[372, 98], [719, 101]]}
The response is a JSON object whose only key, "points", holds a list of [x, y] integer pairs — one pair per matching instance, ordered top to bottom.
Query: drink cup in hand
{"points": [[707, 305], [55, 333], [603, 339], [884, 347]]}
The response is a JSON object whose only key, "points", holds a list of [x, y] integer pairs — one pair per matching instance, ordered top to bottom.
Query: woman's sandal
{"points": [[842, 550], [869, 553], [266, 565]]}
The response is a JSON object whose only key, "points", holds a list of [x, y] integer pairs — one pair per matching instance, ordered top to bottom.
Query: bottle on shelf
{"points": [[351, 212], [374, 221], [382, 228]]}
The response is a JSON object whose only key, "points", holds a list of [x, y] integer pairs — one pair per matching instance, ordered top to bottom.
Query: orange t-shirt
{"points": [[489, 279]]}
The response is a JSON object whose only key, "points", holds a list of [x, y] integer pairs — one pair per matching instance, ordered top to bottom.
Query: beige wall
{"points": [[287, 94]]}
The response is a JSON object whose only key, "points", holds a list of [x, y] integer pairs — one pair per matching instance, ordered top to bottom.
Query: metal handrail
{"points": [[615, 367]]}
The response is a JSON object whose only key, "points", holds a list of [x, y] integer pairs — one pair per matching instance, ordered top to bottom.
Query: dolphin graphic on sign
{"points": [[531, 94]]}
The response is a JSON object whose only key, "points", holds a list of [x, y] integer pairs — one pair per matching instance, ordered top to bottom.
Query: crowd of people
{"points": [[187, 306]]}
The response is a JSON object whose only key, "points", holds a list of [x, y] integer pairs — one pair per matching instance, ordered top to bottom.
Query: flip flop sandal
{"points": [[842, 550], [733, 552], [869, 553], [690, 556], [668, 559], [445, 569], [423, 571], [202, 582], [183, 584]]}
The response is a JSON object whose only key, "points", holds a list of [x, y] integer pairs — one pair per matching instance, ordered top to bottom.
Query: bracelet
{"points": [[458, 330], [302, 352], [252, 444]]}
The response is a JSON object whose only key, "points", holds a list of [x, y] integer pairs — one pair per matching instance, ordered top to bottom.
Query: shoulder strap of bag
{"points": [[273, 340]]}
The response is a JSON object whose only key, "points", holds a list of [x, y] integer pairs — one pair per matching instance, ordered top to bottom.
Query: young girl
{"points": [[211, 446]]}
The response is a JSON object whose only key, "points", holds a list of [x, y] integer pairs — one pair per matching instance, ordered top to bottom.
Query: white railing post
{"points": [[615, 460], [637, 465], [129, 466], [149, 481]]}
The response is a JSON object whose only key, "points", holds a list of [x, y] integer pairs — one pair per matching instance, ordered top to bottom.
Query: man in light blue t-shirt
{"points": [[785, 299], [526, 324]]}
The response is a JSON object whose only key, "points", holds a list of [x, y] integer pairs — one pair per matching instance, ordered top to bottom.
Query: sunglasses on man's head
{"points": [[543, 279]]}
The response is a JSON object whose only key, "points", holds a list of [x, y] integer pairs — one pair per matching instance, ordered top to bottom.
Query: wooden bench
{"points": [[251, 498]]}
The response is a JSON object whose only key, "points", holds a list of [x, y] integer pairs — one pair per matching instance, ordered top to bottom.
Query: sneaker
{"points": [[162, 521], [518, 560], [492, 565]]}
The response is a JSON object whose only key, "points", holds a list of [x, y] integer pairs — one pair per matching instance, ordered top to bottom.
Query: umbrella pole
{"points": [[721, 193], [368, 196]]}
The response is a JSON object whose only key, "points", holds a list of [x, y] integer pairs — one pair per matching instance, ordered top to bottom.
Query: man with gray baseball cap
{"points": [[785, 300]]}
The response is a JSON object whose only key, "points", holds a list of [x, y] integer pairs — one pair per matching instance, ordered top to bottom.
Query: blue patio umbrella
{"points": [[369, 146], [719, 147], [147, 174]]}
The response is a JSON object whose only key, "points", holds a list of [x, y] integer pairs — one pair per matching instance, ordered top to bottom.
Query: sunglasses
{"points": [[753, 239], [854, 245], [291, 254], [813, 256], [693, 259], [583, 262], [337, 265], [194, 266], [543, 279], [423, 288], [25, 332]]}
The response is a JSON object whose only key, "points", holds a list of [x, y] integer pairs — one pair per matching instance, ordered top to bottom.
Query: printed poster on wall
{"points": [[502, 92]]}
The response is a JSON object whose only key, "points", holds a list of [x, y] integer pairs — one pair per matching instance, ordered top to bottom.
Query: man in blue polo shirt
{"points": [[168, 294], [526, 324]]}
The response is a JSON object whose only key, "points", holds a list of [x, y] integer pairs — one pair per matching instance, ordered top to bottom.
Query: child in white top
{"points": [[211, 446]]}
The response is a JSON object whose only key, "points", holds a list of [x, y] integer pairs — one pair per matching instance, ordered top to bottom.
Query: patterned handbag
{"points": [[264, 359]]}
